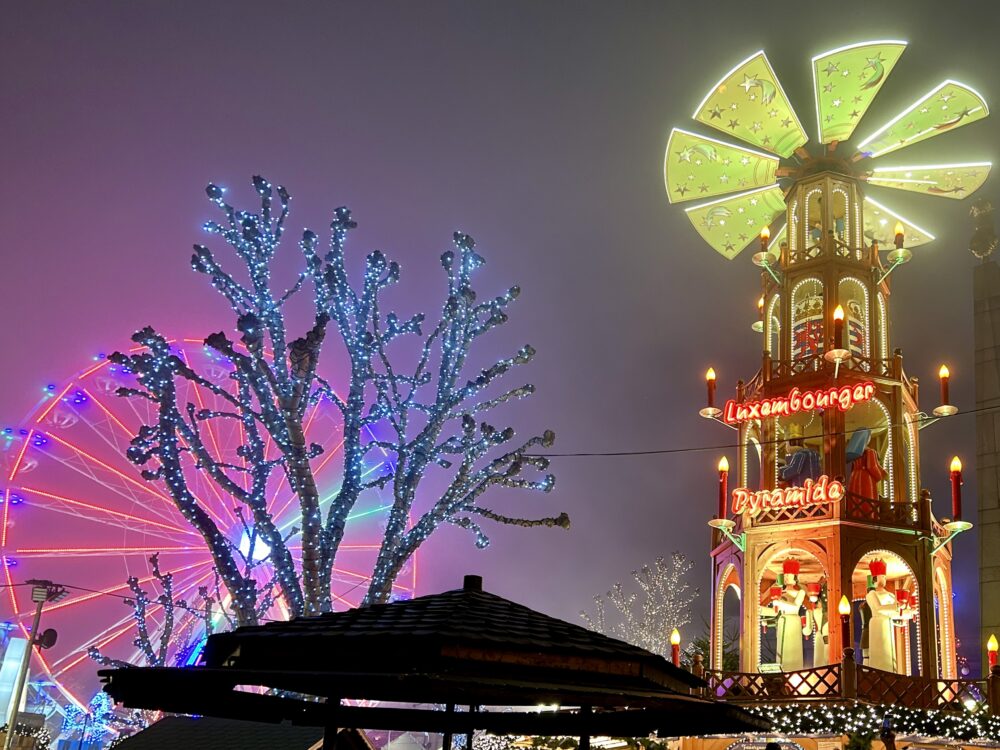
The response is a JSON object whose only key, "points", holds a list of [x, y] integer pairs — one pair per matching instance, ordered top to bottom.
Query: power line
{"points": [[738, 446]]}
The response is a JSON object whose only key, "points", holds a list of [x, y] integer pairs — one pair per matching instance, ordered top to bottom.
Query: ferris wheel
{"points": [[76, 512]]}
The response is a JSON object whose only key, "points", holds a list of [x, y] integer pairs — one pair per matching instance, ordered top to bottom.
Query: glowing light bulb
{"points": [[838, 314], [710, 375], [723, 464], [956, 464], [844, 608], [675, 637]]}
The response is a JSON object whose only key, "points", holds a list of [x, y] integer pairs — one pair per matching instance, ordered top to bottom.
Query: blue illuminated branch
{"points": [[418, 416]]}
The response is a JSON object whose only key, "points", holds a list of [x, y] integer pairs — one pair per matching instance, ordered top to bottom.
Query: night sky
{"points": [[539, 128]]}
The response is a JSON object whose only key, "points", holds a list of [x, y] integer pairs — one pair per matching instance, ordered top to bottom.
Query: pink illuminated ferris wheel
{"points": [[76, 512]]}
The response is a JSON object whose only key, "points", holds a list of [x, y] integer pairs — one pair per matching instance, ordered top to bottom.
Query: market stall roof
{"points": [[464, 647]]}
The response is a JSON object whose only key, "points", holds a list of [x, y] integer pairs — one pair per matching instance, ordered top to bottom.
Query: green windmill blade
{"points": [[845, 82], [748, 103], [948, 106], [696, 166], [955, 181], [729, 224], [880, 225]]}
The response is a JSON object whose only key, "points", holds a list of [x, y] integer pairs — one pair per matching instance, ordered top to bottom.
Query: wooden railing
{"points": [[875, 366], [880, 511], [792, 514], [848, 681], [806, 684], [879, 687]]}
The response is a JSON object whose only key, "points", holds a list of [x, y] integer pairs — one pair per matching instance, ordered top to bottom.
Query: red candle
{"points": [[838, 327], [944, 375], [710, 382], [723, 486], [956, 489], [675, 647], [991, 650]]}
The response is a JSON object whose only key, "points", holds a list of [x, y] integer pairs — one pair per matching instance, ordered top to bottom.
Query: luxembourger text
{"points": [[843, 398]]}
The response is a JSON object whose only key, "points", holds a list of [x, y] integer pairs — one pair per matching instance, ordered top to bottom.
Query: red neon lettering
{"points": [[843, 398], [821, 492]]}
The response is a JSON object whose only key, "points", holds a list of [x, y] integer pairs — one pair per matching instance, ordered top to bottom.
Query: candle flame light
{"points": [[765, 234], [899, 234], [760, 305], [838, 327], [944, 372], [710, 375], [724, 464], [956, 464], [844, 608], [675, 637], [991, 650]]}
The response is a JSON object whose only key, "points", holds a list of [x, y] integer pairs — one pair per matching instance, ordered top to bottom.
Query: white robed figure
{"points": [[883, 604], [787, 607], [817, 625]]}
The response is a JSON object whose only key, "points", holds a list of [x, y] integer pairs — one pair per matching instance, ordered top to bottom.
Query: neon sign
{"points": [[797, 401], [821, 492]]}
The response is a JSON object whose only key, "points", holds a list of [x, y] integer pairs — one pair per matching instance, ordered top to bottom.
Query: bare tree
{"points": [[428, 408], [647, 617]]}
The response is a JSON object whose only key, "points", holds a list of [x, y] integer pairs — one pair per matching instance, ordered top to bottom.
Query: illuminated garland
{"points": [[857, 718], [41, 735]]}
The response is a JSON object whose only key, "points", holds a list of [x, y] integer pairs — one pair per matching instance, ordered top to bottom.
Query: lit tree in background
{"points": [[428, 413], [647, 617]]}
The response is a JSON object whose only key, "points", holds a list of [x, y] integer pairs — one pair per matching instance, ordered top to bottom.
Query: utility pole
{"points": [[41, 592]]}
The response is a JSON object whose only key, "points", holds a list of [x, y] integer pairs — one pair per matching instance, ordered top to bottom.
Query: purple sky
{"points": [[537, 127]]}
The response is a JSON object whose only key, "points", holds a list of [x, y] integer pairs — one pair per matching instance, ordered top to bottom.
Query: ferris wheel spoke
{"points": [[53, 404], [110, 415], [110, 418], [88, 459], [16, 466], [86, 470], [143, 485], [216, 491], [291, 495], [102, 509], [112, 522], [105, 551]]}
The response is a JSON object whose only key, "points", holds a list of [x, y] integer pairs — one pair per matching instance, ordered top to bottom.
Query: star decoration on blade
{"points": [[739, 182]]}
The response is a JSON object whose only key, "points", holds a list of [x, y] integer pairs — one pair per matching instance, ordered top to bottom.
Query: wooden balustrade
{"points": [[872, 686]]}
